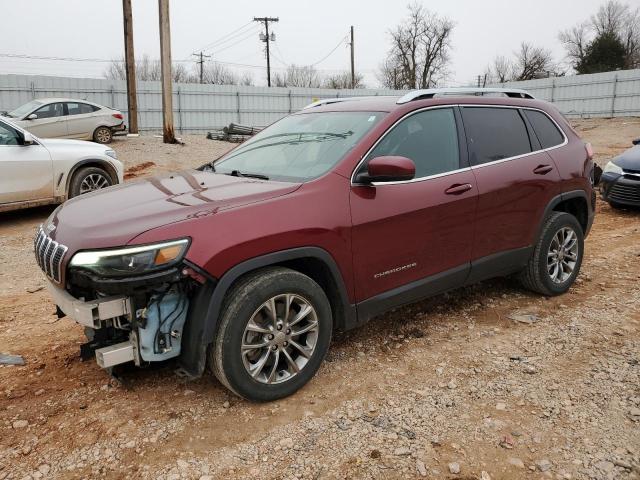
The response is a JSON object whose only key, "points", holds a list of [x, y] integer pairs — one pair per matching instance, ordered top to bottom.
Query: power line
{"points": [[251, 34], [225, 37], [234, 39], [342, 40], [63, 59], [186, 60]]}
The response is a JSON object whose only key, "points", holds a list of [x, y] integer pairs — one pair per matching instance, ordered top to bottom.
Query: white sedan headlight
{"points": [[111, 153], [613, 168], [122, 262]]}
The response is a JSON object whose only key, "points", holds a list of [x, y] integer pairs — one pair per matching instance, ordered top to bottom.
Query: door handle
{"points": [[542, 169], [458, 188]]}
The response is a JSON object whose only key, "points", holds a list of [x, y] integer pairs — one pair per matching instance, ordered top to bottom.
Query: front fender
{"points": [[206, 307]]}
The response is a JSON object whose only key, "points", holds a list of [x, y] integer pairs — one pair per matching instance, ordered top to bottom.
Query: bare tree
{"points": [[612, 18], [575, 41], [420, 50], [529, 62], [533, 62], [146, 69], [149, 70], [501, 70], [180, 74], [217, 74], [390, 75], [297, 76], [246, 79], [342, 80]]}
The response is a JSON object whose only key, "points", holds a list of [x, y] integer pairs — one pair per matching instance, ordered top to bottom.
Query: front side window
{"points": [[50, 111], [546, 131], [494, 134], [9, 135], [429, 138], [299, 147]]}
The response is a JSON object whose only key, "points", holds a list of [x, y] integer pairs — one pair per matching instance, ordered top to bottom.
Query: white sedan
{"points": [[68, 118], [36, 171]]}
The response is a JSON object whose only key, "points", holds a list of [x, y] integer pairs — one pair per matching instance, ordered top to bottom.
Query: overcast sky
{"points": [[306, 33]]}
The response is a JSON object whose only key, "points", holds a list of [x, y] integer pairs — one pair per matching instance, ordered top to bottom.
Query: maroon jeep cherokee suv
{"points": [[325, 219]]}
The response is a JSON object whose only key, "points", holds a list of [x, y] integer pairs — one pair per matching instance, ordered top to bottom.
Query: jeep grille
{"points": [[49, 255]]}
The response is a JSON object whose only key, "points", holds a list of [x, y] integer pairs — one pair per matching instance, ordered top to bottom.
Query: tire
{"points": [[102, 135], [89, 179], [540, 275], [248, 302]]}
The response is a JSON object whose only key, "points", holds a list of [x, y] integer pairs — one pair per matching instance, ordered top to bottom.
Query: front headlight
{"points": [[111, 153], [613, 168], [127, 261]]}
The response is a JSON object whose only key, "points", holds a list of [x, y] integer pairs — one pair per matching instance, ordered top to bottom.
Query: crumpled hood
{"points": [[116, 215]]}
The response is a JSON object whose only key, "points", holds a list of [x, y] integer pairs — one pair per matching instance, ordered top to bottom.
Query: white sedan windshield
{"points": [[24, 109]]}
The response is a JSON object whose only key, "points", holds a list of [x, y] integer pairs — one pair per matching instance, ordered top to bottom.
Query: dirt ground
{"points": [[452, 387]]}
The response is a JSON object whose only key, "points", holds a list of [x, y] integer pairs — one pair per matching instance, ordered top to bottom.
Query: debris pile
{"points": [[233, 133]]}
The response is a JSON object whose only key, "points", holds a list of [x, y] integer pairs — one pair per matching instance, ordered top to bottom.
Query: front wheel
{"points": [[89, 179], [557, 257], [274, 333]]}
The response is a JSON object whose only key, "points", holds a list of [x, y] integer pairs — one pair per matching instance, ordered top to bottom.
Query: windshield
{"points": [[24, 109], [299, 147]]}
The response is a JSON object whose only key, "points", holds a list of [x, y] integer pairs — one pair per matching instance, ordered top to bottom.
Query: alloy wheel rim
{"points": [[102, 135], [94, 181], [562, 256], [280, 338]]}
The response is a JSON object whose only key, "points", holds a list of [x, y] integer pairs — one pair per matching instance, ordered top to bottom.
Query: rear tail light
{"points": [[118, 116], [589, 150]]}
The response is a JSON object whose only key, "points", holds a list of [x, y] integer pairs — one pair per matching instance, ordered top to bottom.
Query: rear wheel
{"points": [[102, 135], [89, 179], [557, 257], [274, 332]]}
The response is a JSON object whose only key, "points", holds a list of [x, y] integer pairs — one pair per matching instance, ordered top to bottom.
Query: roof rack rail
{"points": [[432, 92], [327, 101]]}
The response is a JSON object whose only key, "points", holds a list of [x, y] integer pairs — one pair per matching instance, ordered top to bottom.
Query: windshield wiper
{"points": [[238, 173]]}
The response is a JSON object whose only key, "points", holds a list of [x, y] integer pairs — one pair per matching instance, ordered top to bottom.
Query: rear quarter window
{"points": [[544, 128], [495, 133]]}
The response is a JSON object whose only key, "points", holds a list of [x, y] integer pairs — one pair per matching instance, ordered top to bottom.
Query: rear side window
{"points": [[80, 108], [546, 131], [495, 134], [429, 138]]}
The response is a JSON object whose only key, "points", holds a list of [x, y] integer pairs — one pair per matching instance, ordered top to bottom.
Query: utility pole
{"points": [[266, 38], [201, 62], [130, 67], [353, 71], [479, 81], [168, 135]]}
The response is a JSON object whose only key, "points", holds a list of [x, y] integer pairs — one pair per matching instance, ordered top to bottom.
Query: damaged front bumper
{"points": [[124, 328]]}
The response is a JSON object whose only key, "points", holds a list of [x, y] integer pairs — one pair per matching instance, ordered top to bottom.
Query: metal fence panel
{"points": [[608, 94], [199, 108]]}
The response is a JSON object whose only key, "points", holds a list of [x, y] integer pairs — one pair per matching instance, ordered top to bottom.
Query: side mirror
{"points": [[32, 116], [27, 139], [636, 141], [388, 169]]}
